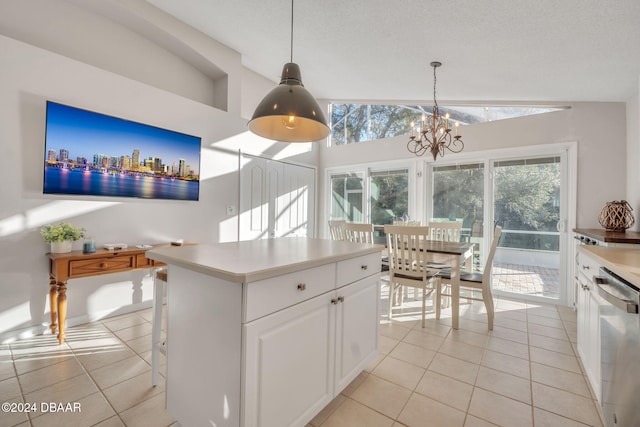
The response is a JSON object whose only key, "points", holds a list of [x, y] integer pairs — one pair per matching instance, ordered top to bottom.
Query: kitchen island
{"points": [[267, 332]]}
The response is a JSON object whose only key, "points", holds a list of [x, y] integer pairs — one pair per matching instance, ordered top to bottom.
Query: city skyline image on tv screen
{"points": [[87, 153]]}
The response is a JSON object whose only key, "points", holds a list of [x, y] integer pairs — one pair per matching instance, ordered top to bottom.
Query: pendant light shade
{"points": [[289, 112]]}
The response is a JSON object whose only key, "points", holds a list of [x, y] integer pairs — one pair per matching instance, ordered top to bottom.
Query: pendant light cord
{"points": [[291, 53]]}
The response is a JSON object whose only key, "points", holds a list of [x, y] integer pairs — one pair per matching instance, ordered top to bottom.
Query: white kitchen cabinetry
{"points": [[588, 320], [356, 338], [273, 343], [299, 358], [289, 362]]}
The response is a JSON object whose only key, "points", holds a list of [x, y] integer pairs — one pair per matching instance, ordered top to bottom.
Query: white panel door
{"points": [[277, 199], [356, 329], [289, 358]]}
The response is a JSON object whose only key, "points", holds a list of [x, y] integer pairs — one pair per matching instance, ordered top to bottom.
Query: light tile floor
{"points": [[524, 373]]}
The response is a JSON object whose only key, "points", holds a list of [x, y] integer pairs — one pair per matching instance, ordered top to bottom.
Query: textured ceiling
{"points": [[380, 50]]}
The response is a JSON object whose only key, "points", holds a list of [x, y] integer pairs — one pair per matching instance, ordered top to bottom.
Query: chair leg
{"points": [[391, 292], [438, 299], [488, 304], [424, 305]]}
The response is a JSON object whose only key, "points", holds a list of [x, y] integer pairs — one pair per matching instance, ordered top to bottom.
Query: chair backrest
{"points": [[336, 229], [445, 231], [359, 233], [403, 244], [486, 274]]}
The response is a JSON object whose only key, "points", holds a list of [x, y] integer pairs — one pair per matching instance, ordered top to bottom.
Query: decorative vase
{"points": [[616, 216], [61, 247]]}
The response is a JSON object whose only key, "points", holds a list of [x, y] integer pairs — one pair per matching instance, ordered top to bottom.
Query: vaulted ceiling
{"points": [[380, 50]]}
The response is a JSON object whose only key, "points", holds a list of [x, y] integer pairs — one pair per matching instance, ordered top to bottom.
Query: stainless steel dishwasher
{"points": [[620, 346]]}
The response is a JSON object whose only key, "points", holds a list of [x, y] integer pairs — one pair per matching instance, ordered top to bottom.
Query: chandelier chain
{"points": [[435, 101]]}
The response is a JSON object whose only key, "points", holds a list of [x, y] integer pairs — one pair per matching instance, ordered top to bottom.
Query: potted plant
{"points": [[61, 236]]}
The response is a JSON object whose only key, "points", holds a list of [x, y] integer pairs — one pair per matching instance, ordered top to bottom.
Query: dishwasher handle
{"points": [[623, 304]]}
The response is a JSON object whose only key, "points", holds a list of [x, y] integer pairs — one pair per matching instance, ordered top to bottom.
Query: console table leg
{"points": [[53, 302], [62, 310]]}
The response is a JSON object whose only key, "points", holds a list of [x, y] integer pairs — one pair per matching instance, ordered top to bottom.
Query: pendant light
{"points": [[289, 112]]}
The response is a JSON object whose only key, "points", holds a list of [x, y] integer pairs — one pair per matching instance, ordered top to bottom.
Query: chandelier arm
{"points": [[456, 145]]}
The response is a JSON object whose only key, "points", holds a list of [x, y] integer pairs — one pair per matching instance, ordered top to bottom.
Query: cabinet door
{"points": [[583, 325], [356, 329], [589, 333], [594, 341], [289, 364]]}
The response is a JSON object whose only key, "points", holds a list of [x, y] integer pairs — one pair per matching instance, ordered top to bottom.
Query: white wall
{"points": [[31, 74], [28, 77], [598, 128], [633, 157]]}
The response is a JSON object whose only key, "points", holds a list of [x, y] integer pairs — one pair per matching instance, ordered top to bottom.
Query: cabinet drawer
{"points": [[142, 261], [101, 265], [587, 266], [354, 269], [270, 295]]}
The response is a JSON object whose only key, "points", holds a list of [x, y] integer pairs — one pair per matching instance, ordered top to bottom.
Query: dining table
{"points": [[454, 254]]}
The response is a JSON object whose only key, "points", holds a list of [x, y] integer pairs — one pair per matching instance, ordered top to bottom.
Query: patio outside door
{"points": [[527, 197], [527, 203]]}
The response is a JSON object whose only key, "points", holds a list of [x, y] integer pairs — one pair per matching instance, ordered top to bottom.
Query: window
{"points": [[351, 123], [370, 195], [389, 195], [347, 197], [527, 203]]}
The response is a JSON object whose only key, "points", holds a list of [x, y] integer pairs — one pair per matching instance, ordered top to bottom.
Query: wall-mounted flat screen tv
{"points": [[92, 154]]}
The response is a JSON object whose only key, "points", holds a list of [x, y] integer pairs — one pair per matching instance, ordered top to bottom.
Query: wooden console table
{"points": [[76, 264]]}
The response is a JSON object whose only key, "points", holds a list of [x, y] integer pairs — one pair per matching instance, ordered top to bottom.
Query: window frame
{"points": [[365, 170]]}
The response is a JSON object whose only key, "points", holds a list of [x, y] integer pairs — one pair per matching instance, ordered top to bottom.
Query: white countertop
{"points": [[253, 260], [625, 262]]}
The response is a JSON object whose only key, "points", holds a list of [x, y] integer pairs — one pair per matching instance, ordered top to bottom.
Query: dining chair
{"points": [[336, 229], [445, 231], [358, 233], [408, 264], [473, 282]]}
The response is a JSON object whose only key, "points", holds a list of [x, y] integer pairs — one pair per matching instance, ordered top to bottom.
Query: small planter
{"points": [[61, 247]]}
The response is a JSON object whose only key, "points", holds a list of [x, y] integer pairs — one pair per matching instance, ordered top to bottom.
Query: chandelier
{"points": [[434, 134]]}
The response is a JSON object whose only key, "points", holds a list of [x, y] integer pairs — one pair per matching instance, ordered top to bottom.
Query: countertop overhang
{"points": [[252, 260], [624, 262]]}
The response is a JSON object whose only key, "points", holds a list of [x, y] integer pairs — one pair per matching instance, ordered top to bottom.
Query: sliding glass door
{"points": [[528, 198], [527, 204]]}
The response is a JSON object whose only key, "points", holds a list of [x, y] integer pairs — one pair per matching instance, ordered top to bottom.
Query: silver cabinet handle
{"points": [[364, 267], [585, 267], [302, 286], [340, 299], [334, 301]]}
